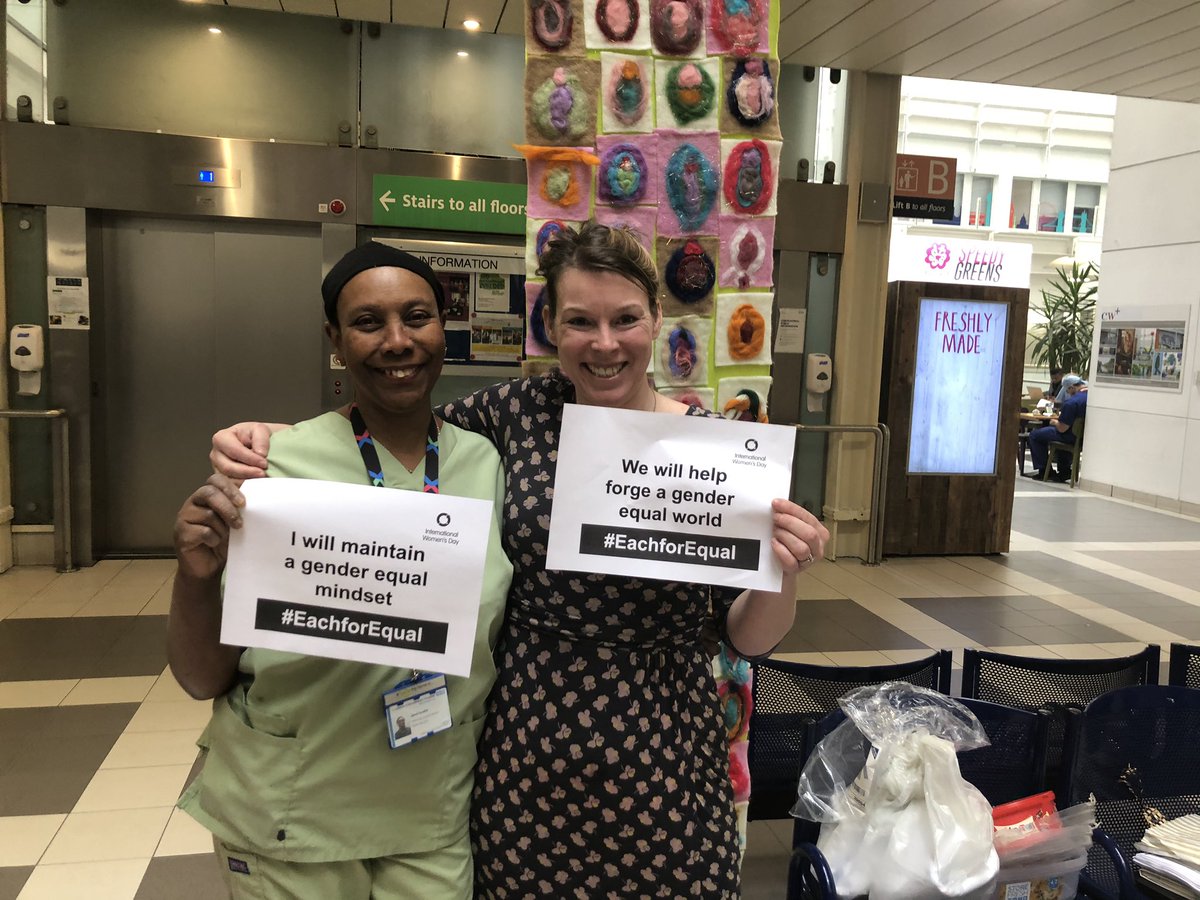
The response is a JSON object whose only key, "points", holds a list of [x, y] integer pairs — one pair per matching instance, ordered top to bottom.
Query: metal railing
{"points": [[883, 443], [60, 449]]}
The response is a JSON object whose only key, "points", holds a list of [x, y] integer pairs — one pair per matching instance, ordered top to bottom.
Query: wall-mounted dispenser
{"points": [[27, 355], [818, 379]]}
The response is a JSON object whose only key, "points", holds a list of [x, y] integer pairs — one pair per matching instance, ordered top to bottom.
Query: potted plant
{"points": [[1064, 340]]}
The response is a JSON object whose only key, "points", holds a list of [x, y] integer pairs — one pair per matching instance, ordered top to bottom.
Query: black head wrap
{"points": [[374, 255]]}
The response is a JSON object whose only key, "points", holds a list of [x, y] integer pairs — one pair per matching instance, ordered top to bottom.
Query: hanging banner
{"points": [[950, 260]]}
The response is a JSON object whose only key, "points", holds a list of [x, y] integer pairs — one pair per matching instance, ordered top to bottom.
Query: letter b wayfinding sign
{"points": [[924, 186]]}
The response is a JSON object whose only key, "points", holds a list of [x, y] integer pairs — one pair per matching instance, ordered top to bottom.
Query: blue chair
{"points": [[1184, 667], [1058, 685], [791, 697], [1135, 751]]}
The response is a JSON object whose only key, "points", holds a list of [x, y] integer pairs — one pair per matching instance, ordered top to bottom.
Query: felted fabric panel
{"points": [[616, 24], [554, 27], [677, 27], [738, 27], [627, 93], [687, 93], [560, 100], [749, 102], [627, 172], [749, 176], [560, 182], [690, 182], [640, 220], [537, 232], [746, 259], [684, 288], [743, 329], [537, 343], [682, 357], [703, 397], [733, 406]]}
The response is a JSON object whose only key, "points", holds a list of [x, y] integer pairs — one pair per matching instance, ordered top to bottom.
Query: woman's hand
{"points": [[240, 451], [202, 528], [799, 538]]}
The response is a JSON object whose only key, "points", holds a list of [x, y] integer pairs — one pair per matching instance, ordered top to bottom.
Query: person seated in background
{"points": [[1056, 379], [1073, 397]]}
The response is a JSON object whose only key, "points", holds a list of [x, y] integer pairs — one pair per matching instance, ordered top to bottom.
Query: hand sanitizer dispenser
{"points": [[27, 355], [818, 379]]}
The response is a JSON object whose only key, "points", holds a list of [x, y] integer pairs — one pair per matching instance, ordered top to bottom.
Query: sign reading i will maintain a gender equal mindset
{"points": [[677, 498], [349, 571]]}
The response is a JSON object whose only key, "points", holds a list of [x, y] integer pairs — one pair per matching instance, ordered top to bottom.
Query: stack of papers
{"points": [[1170, 855]]}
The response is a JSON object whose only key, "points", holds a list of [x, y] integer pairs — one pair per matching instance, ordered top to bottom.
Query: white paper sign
{"points": [[668, 497], [353, 572]]}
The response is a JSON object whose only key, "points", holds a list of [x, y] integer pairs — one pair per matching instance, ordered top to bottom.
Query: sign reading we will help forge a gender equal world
{"points": [[678, 498], [353, 572]]}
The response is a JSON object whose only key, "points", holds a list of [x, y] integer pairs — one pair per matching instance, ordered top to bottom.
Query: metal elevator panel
{"points": [[205, 323]]}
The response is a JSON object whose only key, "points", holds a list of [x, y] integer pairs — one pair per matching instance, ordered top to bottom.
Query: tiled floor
{"points": [[96, 739]]}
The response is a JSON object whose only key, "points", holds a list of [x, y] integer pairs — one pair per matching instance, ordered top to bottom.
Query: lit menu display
{"points": [[956, 391]]}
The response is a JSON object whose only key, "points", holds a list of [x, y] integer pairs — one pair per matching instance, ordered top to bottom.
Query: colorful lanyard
{"points": [[366, 446]]}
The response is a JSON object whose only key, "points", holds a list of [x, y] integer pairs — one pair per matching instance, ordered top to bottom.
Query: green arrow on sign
{"points": [[490, 207]]}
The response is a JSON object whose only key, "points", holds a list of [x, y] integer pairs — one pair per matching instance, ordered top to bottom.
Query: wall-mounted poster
{"points": [[1142, 346], [956, 394]]}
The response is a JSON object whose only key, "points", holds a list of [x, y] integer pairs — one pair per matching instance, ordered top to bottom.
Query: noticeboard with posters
{"points": [[1142, 347]]}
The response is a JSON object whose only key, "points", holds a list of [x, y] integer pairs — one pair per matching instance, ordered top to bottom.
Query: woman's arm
{"points": [[240, 451], [758, 620], [203, 666]]}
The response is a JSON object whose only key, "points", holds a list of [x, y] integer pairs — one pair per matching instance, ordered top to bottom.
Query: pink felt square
{"points": [[746, 252]]}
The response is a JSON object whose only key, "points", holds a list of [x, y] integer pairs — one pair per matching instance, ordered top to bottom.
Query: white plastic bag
{"points": [[900, 821]]}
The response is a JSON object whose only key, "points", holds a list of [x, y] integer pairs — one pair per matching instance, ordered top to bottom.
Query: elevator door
{"points": [[204, 324]]}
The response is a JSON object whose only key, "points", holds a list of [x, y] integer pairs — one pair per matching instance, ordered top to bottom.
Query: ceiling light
{"points": [[471, 24], [214, 30], [463, 53]]}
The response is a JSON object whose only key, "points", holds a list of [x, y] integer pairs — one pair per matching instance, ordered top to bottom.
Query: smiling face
{"points": [[605, 330], [390, 337]]}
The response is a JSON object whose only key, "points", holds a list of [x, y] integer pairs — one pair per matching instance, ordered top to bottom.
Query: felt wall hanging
{"points": [[620, 24], [554, 27], [677, 27], [737, 27], [628, 93], [686, 93], [748, 99], [560, 106], [626, 174], [749, 176], [559, 180], [690, 182], [639, 220], [537, 233], [746, 252], [686, 274], [743, 329], [537, 342], [682, 351], [703, 397], [738, 397]]}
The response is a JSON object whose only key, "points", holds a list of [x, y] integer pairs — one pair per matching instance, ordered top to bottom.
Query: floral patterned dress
{"points": [[603, 768]]}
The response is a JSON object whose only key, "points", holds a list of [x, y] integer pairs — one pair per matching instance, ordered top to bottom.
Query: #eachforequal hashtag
{"points": [[610, 539], [287, 617]]}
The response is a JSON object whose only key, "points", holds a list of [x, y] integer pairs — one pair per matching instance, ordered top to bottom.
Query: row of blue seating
{"points": [[1048, 731]]}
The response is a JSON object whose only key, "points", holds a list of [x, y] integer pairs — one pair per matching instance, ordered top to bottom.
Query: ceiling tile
{"points": [[272, 5], [311, 7], [365, 10], [485, 12], [422, 13], [512, 20], [985, 20], [808, 22], [859, 27], [905, 33], [1145, 74]]}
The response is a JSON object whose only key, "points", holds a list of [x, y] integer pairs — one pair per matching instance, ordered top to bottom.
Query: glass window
{"points": [[958, 197], [1022, 198], [981, 200], [1087, 202], [1052, 206]]}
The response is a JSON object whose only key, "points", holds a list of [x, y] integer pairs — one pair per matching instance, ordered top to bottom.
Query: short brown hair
{"points": [[597, 248]]}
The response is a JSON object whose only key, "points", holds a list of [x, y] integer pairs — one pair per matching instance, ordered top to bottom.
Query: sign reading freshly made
{"points": [[924, 187], [410, 202], [949, 260], [679, 498], [348, 571]]}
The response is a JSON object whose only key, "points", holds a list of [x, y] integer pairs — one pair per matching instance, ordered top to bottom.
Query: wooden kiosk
{"points": [[952, 371]]}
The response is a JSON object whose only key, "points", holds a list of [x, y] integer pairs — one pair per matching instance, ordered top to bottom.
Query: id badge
{"points": [[416, 708]]}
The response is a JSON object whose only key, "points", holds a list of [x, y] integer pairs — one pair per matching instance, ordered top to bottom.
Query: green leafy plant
{"points": [[1064, 340]]}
